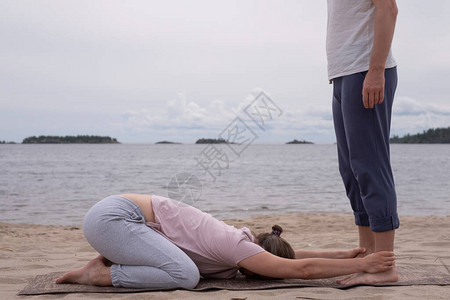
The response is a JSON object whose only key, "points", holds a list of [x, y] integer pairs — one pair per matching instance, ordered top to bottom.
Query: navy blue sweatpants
{"points": [[362, 137]]}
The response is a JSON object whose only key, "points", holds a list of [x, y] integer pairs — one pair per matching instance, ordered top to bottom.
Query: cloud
{"points": [[406, 106], [178, 113], [412, 116], [181, 118]]}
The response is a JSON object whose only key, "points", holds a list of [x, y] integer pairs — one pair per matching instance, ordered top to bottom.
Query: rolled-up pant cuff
{"points": [[361, 218], [377, 224], [384, 224], [114, 276]]}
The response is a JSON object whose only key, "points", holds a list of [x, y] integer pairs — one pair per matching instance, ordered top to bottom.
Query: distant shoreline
{"points": [[431, 136], [154, 143]]}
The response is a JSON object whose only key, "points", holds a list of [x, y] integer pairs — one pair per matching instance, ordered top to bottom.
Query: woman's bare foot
{"points": [[96, 272], [371, 278]]}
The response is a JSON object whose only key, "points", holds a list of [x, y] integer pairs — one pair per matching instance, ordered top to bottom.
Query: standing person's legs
{"points": [[367, 134], [363, 147], [366, 236], [141, 257]]}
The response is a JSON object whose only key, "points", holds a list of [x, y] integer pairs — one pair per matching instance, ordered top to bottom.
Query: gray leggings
{"points": [[142, 257]]}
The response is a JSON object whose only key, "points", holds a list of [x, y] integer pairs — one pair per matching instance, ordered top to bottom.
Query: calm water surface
{"points": [[57, 184]]}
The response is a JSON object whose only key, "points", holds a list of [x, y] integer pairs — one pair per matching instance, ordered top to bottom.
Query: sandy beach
{"points": [[30, 250]]}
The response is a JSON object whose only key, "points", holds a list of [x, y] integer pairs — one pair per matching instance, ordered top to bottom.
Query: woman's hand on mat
{"points": [[355, 252], [379, 262]]}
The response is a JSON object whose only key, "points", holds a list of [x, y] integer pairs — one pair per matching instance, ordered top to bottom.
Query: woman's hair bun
{"points": [[277, 230]]}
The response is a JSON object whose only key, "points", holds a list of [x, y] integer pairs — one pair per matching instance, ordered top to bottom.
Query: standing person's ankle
{"points": [[366, 240]]}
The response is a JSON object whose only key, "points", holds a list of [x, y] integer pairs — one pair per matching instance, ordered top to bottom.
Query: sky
{"points": [[146, 71]]}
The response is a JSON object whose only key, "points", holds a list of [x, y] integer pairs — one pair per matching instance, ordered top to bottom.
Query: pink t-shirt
{"points": [[215, 247]]}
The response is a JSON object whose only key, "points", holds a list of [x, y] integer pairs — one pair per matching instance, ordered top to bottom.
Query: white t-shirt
{"points": [[350, 33]]}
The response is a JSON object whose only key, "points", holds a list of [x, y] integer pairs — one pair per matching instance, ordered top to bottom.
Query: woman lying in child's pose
{"points": [[155, 242]]}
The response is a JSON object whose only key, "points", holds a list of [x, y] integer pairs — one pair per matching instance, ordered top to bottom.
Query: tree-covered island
{"points": [[430, 136], [69, 139], [213, 141], [295, 141], [168, 142]]}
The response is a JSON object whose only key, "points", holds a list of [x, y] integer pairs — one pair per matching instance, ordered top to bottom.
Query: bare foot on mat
{"points": [[94, 273], [371, 278]]}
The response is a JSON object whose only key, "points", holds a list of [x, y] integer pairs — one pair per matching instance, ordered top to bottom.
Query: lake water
{"points": [[57, 184]]}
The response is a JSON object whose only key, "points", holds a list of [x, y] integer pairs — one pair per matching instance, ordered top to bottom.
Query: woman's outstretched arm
{"points": [[300, 254], [269, 265]]}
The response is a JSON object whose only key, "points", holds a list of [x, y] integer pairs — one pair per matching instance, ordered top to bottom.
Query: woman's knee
{"points": [[90, 225], [190, 276]]}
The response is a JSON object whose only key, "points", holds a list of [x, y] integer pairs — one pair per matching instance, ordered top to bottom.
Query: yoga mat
{"points": [[408, 275]]}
